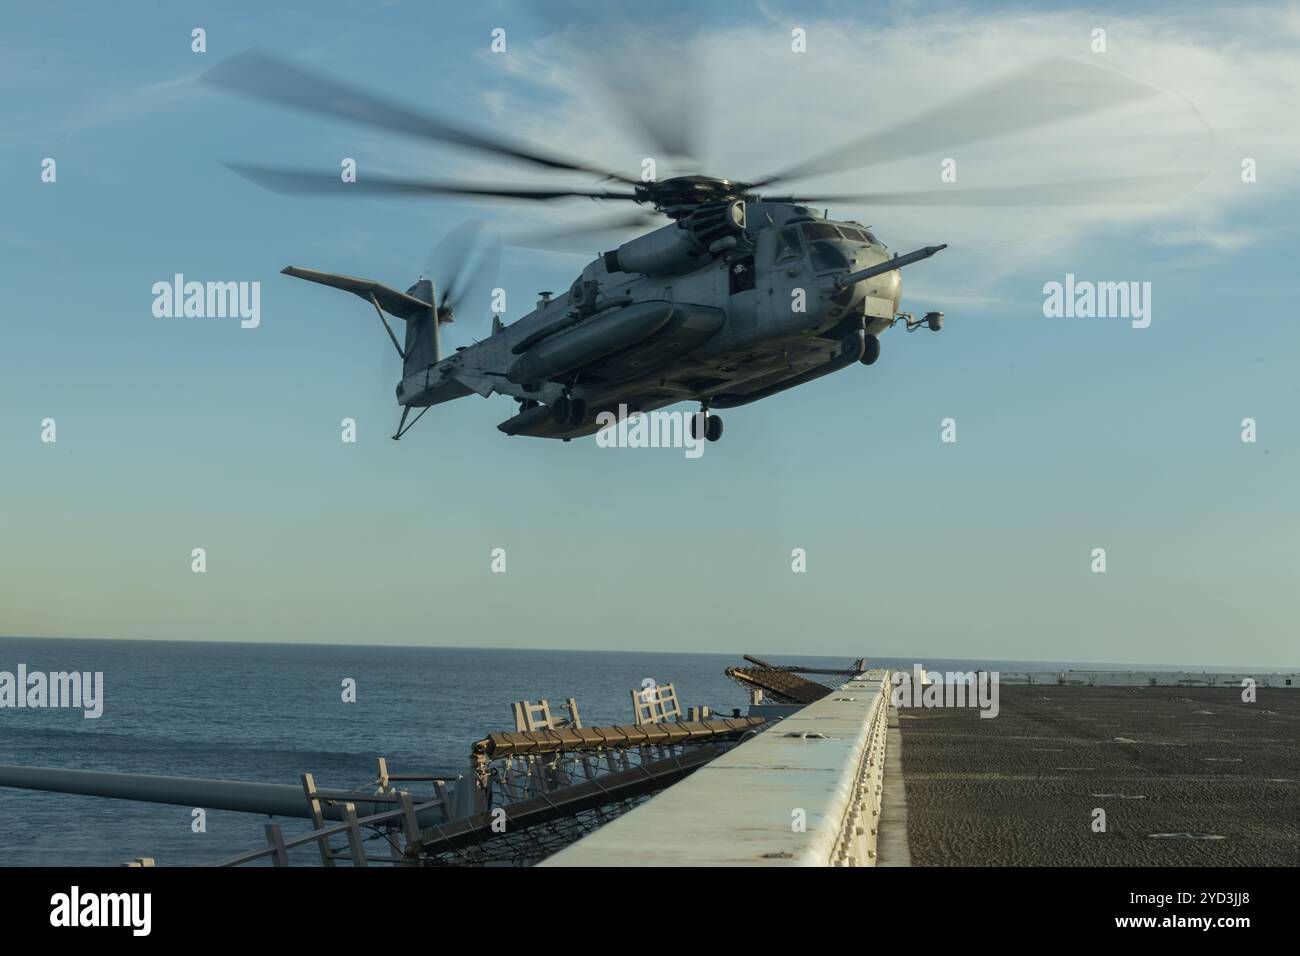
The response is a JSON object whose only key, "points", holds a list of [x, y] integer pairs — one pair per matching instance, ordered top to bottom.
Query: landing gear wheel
{"points": [[871, 352], [561, 409], [568, 411], [577, 411], [704, 425]]}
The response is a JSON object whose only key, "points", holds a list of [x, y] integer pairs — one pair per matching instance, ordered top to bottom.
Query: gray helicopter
{"points": [[741, 295]]}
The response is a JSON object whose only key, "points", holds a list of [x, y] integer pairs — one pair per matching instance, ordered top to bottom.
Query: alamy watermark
{"points": [[1084, 299], [209, 300], [624, 429], [922, 688], [37, 689], [74, 908]]}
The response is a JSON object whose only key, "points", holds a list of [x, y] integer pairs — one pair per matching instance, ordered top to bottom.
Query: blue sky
{"points": [[1072, 433]]}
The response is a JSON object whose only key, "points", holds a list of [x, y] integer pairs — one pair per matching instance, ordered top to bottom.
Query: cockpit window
{"points": [[820, 230], [856, 235], [787, 245], [826, 257]]}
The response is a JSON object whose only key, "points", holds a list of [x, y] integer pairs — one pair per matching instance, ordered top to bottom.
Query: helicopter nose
{"points": [[886, 284], [887, 291], [880, 295]]}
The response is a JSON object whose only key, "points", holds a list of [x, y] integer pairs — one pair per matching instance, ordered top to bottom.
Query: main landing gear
{"points": [[568, 411], [709, 425]]}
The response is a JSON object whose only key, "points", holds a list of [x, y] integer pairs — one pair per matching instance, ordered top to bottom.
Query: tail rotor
{"points": [[465, 264]]}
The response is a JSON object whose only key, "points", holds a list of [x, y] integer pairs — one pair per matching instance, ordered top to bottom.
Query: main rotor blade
{"points": [[260, 76], [1051, 90], [655, 95], [663, 103], [298, 181], [1140, 189], [546, 238]]}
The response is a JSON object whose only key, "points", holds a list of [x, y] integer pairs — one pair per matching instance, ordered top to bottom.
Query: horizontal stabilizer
{"points": [[390, 300]]}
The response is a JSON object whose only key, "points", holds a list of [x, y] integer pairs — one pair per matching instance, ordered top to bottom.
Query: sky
{"points": [[1072, 433]]}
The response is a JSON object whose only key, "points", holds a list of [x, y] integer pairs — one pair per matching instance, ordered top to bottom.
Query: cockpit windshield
{"points": [[819, 230], [824, 230], [823, 241], [826, 257]]}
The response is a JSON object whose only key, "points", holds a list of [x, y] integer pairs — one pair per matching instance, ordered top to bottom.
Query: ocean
{"points": [[269, 712]]}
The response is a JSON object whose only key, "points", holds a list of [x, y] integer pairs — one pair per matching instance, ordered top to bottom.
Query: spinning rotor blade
{"points": [[257, 75], [1051, 90], [657, 97], [663, 104], [302, 181], [1141, 189], [546, 239], [448, 260], [464, 263], [483, 275]]}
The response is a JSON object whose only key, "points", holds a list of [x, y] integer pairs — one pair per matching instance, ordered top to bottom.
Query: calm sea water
{"points": [[269, 712]]}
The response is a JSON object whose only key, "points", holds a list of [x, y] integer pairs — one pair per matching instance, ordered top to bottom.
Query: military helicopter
{"points": [[741, 295]]}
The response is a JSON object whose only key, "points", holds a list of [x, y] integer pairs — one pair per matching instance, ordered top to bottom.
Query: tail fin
{"points": [[415, 306], [423, 342]]}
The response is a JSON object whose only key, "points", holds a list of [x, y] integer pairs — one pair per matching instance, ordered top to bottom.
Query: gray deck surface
{"points": [[1219, 777]]}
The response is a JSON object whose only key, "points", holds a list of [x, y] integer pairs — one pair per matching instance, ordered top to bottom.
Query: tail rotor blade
{"points": [[446, 263], [466, 263], [484, 273]]}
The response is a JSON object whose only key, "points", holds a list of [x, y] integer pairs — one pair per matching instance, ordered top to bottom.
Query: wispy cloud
{"points": [[1221, 99], [117, 106], [1221, 239]]}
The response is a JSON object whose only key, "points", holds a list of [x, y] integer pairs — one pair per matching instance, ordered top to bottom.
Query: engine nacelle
{"points": [[683, 246]]}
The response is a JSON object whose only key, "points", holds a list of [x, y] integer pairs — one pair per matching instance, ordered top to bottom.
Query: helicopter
{"points": [[742, 294]]}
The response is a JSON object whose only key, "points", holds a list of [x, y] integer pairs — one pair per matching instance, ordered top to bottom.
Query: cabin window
{"points": [[820, 230], [787, 245], [826, 257], [741, 273]]}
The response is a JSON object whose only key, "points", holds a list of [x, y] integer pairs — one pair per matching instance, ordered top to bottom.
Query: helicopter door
{"points": [[784, 250], [741, 274], [742, 297]]}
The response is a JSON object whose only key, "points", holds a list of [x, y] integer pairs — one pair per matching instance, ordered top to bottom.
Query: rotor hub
{"points": [[680, 195]]}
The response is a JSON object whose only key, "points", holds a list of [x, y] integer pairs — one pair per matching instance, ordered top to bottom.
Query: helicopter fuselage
{"points": [[757, 315]]}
